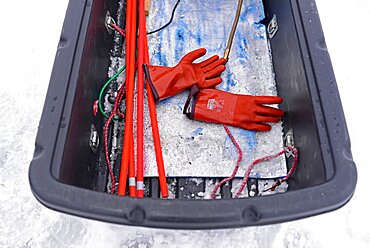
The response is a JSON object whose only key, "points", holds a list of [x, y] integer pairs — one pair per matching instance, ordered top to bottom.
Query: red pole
{"points": [[130, 78], [140, 102], [156, 137], [131, 171]]}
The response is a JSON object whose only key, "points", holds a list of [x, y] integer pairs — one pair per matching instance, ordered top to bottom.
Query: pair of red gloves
{"points": [[206, 103]]}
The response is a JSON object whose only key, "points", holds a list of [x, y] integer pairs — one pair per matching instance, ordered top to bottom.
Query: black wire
{"points": [[168, 23]]}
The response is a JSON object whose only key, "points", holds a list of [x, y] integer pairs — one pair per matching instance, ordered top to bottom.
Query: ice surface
{"points": [[192, 148], [24, 222]]}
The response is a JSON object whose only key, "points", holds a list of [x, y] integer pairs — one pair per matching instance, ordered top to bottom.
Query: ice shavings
{"points": [[210, 184], [235, 187], [264, 187], [172, 189]]}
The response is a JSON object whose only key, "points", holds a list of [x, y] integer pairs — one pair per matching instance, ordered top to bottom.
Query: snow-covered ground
{"points": [[30, 32]]}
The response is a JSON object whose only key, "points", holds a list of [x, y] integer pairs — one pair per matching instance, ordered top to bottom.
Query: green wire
{"points": [[103, 89]]}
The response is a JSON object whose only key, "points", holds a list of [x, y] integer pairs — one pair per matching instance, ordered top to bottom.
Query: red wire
{"points": [[119, 30], [117, 103], [119, 113], [107, 154], [295, 162], [236, 166], [247, 174]]}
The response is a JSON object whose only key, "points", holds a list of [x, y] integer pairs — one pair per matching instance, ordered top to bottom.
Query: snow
{"points": [[27, 54]]}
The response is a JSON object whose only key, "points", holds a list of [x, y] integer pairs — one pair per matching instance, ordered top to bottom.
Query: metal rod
{"points": [[233, 29]]}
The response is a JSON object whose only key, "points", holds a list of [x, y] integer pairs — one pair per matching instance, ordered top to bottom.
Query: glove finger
{"points": [[196, 54], [209, 61], [214, 65], [215, 72], [211, 82], [268, 99], [265, 110], [263, 118], [258, 127]]}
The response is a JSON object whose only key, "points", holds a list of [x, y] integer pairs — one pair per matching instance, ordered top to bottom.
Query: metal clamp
{"points": [[109, 21], [273, 27], [94, 139], [289, 141]]}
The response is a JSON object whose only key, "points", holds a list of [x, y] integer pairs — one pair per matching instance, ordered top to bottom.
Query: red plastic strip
{"points": [[130, 78], [140, 99], [156, 137], [131, 171], [247, 174]]}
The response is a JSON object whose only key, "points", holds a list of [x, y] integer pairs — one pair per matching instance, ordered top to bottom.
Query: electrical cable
{"points": [[168, 23], [119, 29], [123, 32], [118, 41], [103, 89], [119, 113], [106, 127], [236, 166], [291, 171], [247, 173], [246, 177]]}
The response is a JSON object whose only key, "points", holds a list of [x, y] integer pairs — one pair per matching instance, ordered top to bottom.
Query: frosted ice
{"points": [[199, 149]]}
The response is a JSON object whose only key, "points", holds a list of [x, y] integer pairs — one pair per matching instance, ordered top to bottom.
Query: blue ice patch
{"points": [[180, 41], [242, 47], [228, 82], [197, 132], [250, 137]]}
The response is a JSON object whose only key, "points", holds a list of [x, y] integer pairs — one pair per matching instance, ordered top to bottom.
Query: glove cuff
{"points": [[150, 82], [189, 107]]}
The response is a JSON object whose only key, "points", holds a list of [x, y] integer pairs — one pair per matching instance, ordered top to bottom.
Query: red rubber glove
{"points": [[169, 81], [248, 112]]}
